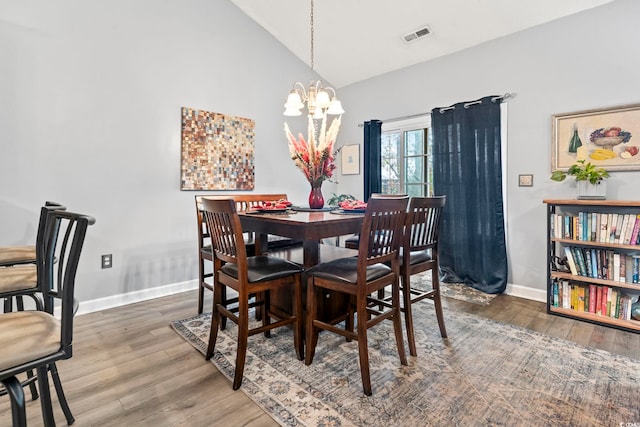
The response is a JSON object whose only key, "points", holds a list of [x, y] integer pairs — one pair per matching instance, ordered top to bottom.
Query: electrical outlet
{"points": [[106, 261]]}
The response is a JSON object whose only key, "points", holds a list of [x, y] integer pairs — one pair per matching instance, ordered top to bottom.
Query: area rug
{"points": [[458, 291], [485, 374]]}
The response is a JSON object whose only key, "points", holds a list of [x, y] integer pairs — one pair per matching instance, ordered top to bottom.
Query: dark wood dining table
{"points": [[310, 228]]}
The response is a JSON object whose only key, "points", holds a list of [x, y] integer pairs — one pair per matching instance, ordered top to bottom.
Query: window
{"points": [[407, 161]]}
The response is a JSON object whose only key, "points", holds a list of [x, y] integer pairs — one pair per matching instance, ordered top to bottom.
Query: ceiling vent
{"points": [[415, 35]]}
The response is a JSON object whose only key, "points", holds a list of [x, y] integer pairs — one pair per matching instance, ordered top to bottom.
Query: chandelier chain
{"points": [[312, 40]]}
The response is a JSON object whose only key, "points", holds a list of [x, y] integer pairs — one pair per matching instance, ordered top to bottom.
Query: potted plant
{"points": [[589, 179], [336, 199]]}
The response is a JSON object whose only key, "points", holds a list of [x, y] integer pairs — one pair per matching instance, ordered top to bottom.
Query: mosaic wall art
{"points": [[217, 151]]}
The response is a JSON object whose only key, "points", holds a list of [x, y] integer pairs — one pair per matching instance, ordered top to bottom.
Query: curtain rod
{"points": [[467, 105]]}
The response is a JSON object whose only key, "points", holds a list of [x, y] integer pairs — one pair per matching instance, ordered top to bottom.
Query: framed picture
{"points": [[609, 138], [350, 159]]}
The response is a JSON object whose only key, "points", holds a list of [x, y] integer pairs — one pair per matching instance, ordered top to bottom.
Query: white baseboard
{"points": [[162, 291], [526, 292], [136, 296]]}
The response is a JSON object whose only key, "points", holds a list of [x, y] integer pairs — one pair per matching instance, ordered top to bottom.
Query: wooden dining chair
{"points": [[419, 253], [205, 255], [257, 275], [360, 278], [36, 339]]}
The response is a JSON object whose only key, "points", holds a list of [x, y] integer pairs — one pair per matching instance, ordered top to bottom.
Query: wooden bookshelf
{"points": [[584, 235]]}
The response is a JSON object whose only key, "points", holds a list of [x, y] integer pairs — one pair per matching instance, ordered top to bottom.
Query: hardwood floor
{"points": [[130, 369]]}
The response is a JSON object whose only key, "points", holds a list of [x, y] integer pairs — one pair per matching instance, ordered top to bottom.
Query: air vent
{"points": [[415, 35]]}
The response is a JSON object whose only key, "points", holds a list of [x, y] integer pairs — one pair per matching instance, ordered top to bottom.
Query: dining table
{"points": [[310, 227]]}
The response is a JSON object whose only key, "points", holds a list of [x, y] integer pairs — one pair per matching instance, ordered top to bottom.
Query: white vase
{"points": [[589, 191]]}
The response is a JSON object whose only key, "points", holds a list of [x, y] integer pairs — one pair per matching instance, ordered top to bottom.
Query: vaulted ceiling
{"points": [[358, 39]]}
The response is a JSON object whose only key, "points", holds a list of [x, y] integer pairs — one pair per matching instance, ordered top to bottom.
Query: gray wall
{"points": [[585, 61], [90, 116]]}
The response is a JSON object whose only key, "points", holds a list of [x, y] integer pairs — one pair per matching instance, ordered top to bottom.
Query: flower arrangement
{"points": [[315, 157]]}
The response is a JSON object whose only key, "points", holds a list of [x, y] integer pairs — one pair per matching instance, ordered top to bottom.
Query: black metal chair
{"points": [[26, 254], [376, 267], [256, 275], [36, 339]]}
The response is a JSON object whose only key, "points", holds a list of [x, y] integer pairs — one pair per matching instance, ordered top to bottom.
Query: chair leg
{"points": [[200, 287], [437, 302], [266, 313], [408, 313], [215, 322], [397, 322], [297, 326], [312, 332], [243, 336], [363, 345], [32, 386], [60, 392], [45, 396], [18, 406]]}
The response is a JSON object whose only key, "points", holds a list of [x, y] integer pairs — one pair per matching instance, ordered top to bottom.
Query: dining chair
{"points": [[243, 202], [419, 253], [26, 254], [376, 267], [255, 275], [18, 279], [36, 339]]}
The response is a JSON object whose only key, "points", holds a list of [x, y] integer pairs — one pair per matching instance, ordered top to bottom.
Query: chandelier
{"points": [[320, 100]]}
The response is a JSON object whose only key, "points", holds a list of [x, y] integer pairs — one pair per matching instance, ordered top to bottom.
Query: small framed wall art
{"points": [[609, 138], [350, 159]]}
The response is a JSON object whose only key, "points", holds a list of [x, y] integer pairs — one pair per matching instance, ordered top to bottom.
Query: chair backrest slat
{"points": [[423, 220], [224, 225], [382, 229]]}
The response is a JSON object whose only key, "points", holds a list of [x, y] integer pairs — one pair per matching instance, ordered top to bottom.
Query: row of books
{"points": [[599, 227], [603, 264], [603, 300]]}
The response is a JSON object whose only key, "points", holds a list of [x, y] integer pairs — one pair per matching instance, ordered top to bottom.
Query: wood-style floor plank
{"points": [[130, 369]]}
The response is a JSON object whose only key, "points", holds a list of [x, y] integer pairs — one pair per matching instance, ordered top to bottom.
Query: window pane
{"points": [[414, 142], [391, 163], [414, 167], [415, 190]]}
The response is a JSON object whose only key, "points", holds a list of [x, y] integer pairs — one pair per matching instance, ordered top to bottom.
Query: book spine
{"points": [[595, 225], [603, 228], [634, 233], [577, 255], [570, 260], [599, 300]]}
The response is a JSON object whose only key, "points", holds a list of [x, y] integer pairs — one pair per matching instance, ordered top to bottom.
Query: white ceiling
{"points": [[359, 39]]}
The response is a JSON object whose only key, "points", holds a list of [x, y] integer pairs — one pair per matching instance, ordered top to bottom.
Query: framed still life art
{"points": [[608, 138]]}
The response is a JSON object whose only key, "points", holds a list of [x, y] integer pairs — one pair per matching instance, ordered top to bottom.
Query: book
{"points": [[613, 220], [595, 225], [603, 228], [623, 228], [629, 231], [634, 233], [616, 238], [577, 256], [570, 260], [587, 261], [594, 263], [616, 267], [623, 268], [636, 268], [628, 269], [566, 294], [580, 298], [598, 300]]}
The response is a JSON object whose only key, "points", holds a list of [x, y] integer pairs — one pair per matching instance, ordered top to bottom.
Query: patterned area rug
{"points": [[458, 291], [485, 374]]}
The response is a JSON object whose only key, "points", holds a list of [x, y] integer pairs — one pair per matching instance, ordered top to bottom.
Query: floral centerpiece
{"points": [[315, 157]]}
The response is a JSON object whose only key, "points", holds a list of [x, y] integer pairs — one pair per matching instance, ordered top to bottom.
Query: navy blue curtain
{"points": [[372, 158], [468, 170]]}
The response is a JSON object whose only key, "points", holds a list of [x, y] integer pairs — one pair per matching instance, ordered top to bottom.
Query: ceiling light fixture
{"points": [[317, 97]]}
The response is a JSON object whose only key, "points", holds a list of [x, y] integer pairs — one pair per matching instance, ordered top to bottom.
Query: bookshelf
{"points": [[593, 258]]}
